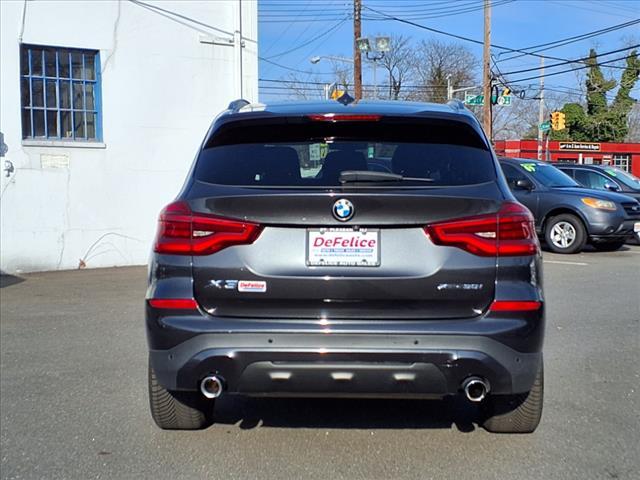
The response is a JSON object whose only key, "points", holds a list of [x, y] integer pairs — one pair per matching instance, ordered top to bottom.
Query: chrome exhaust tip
{"points": [[212, 386], [475, 388]]}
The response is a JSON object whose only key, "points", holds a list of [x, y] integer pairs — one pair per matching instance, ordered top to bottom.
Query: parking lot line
{"points": [[560, 262]]}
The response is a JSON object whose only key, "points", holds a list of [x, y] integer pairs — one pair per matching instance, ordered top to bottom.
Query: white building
{"points": [[103, 105]]}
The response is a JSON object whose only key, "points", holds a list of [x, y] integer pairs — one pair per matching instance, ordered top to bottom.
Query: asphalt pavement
{"points": [[73, 395]]}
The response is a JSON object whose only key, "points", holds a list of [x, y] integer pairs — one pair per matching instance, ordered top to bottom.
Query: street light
{"points": [[382, 45], [374, 49], [317, 59], [329, 88]]}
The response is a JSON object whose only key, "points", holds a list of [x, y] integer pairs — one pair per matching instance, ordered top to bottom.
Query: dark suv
{"points": [[603, 177], [567, 214], [364, 250]]}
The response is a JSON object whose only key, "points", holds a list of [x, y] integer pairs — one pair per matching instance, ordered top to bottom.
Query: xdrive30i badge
{"points": [[343, 209]]}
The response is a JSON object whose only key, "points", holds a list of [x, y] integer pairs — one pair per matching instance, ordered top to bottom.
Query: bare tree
{"points": [[435, 61], [399, 64], [342, 74], [313, 88], [299, 89], [520, 119], [515, 120], [633, 121]]}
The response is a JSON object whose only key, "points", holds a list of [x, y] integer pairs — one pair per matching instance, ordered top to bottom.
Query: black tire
{"points": [[579, 239], [609, 246], [178, 410], [515, 413]]}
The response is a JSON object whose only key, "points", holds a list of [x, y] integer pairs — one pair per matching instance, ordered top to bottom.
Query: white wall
{"points": [[161, 88]]}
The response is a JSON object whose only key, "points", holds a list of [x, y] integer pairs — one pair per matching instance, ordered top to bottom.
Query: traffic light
{"points": [[336, 94], [558, 121], [561, 122]]}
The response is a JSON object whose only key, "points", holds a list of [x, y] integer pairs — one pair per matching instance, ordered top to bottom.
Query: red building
{"points": [[622, 155]]}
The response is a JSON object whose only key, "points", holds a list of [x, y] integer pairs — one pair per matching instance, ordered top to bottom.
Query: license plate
{"points": [[636, 227], [343, 247]]}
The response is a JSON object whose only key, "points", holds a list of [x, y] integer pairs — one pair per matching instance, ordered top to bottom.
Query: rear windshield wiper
{"points": [[355, 176]]}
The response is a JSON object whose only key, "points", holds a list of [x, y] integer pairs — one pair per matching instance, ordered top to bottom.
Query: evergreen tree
{"points": [[597, 87], [601, 122]]}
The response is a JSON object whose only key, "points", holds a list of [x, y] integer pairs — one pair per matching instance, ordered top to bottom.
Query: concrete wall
{"points": [[162, 84]]}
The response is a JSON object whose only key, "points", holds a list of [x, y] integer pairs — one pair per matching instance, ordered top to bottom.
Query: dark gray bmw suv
{"points": [[371, 249]]}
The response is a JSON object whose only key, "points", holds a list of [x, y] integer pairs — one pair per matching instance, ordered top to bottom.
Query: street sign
{"points": [[473, 99], [502, 100], [545, 126]]}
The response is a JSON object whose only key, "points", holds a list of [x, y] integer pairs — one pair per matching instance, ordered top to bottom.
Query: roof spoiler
{"points": [[236, 105], [456, 105]]}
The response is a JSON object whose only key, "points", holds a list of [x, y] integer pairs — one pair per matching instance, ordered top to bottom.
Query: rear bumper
{"points": [[331, 363]]}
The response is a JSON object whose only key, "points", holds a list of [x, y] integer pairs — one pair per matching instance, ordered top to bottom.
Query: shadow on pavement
{"points": [[590, 249], [7, 280], [345, 413]]}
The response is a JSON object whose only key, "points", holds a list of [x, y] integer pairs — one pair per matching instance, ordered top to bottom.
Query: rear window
{"points": [[313, 154]]}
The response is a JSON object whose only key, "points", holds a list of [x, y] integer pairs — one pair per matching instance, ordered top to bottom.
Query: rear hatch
{"points": [[313, 246]]}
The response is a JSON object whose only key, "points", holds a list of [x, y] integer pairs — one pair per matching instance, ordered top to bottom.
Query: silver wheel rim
{"points": [[563, 234]]}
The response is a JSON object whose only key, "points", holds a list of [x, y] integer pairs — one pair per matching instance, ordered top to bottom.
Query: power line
{"points": [[580, 6], [421, 7], [428, 7], [169, 12], [422, 12], [322, 13], [447, 14], [273, 15], [310, 20], [282, 33], [461, 37], [573, 39], [309, 42], [577, 60], [293, 69], [570, 70], [273, 80]]}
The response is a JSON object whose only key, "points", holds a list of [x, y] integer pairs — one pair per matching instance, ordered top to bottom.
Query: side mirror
{"points": [[524, 184], [612, 186]]}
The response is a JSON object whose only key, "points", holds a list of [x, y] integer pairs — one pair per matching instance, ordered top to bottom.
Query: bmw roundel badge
{"points": [[343, 209]]}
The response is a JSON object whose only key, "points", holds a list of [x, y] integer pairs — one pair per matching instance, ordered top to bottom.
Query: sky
{"points": [[289, 24]]}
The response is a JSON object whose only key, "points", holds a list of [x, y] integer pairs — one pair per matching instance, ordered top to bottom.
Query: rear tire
{"points": [[565, 233], [608, 246], [178, 410], [515, 413]]}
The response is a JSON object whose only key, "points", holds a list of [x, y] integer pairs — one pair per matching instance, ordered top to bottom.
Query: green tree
{"points": [[597, 87], [577, 122], [601, 122]]}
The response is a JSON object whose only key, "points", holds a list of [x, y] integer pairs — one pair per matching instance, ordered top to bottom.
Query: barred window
{"points": [[60, 93]]}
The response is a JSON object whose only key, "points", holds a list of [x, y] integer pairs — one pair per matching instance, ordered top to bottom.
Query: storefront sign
{"points": [[591, 147]]}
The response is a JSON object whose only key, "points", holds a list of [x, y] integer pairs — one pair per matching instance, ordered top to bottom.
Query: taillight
{"points": [[333, 117], [183, 232], [510, 232], [173, 303], [515, 306]]}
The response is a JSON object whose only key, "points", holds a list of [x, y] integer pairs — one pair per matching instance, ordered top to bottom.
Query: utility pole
{"points": [[237, 42], [357, 57], [486, 71], [541, 109]]}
